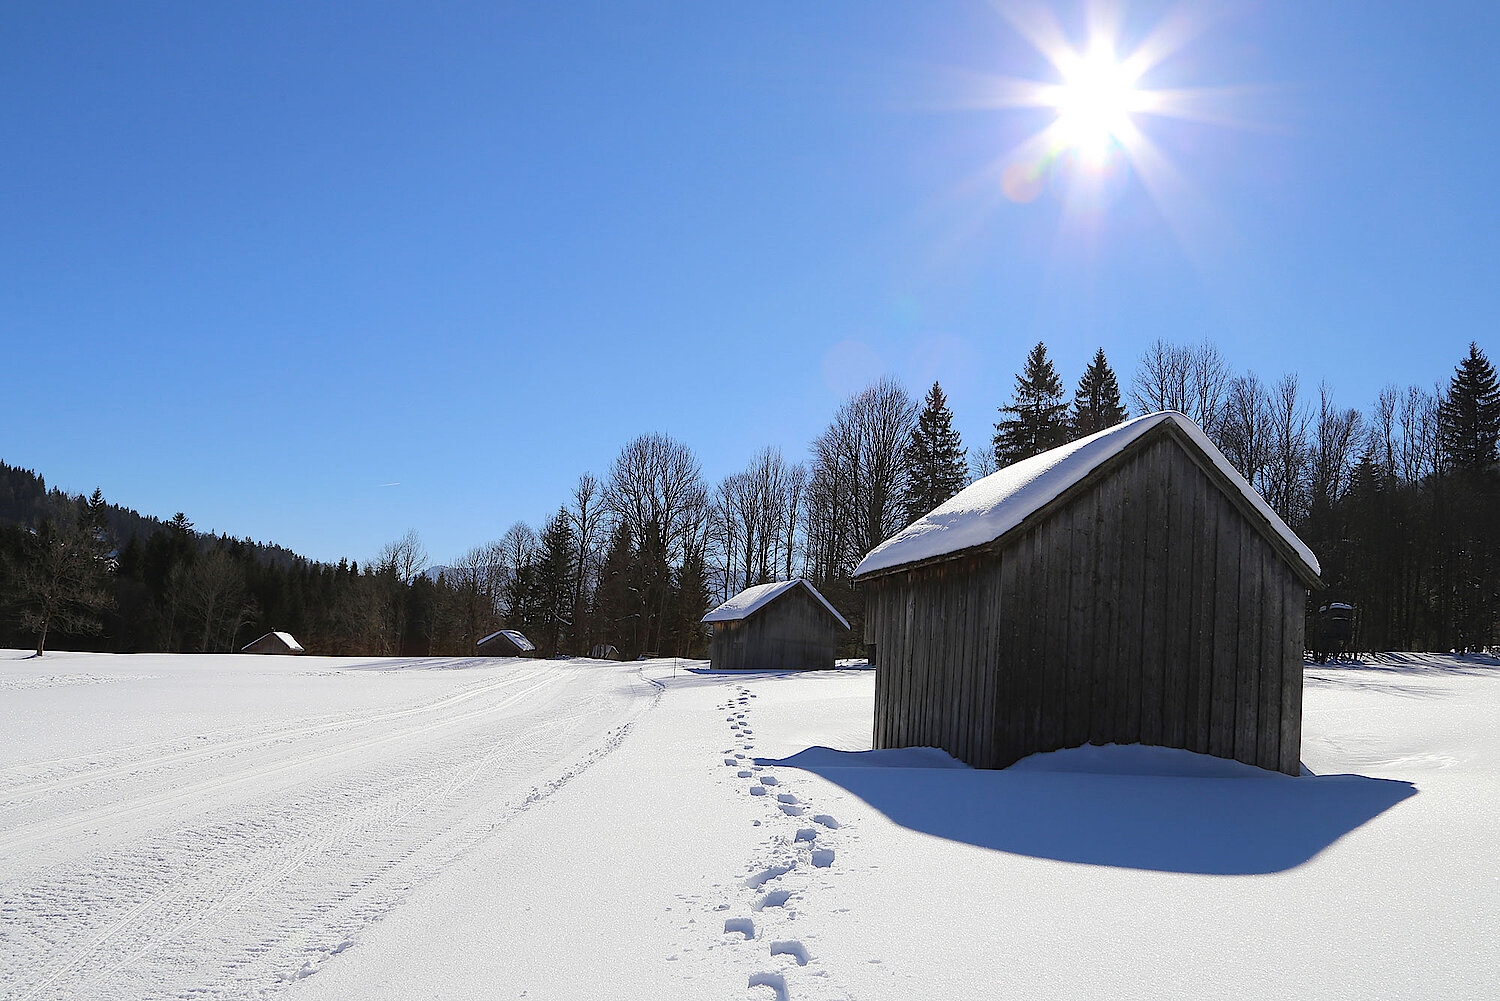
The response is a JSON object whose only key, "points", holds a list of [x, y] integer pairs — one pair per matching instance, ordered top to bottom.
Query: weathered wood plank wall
{"points": [[1145, 609], [793, 632]]}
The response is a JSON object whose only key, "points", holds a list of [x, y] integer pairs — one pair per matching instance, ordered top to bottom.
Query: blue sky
{"points": [[258, 260]]}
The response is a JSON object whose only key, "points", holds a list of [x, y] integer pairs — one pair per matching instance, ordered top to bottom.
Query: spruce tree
{"points": [[1096, 403], [1470, 416], [1038, 418], [935, 458], [553, 582]]}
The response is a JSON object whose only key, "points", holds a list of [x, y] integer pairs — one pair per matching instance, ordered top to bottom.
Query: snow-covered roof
{"points": [[988, 508], [753, 599], [516, 637], [286, 638]]}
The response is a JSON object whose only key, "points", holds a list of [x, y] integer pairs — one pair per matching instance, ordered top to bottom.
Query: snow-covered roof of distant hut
{"points": [[988, 508], [753, 599], [286, 638], [519, 639]]}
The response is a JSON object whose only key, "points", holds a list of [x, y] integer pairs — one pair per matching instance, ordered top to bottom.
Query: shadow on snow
{"points": [[1218, 817]]}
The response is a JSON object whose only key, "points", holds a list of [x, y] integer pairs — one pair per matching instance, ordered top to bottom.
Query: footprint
{"points": [[732, 762], [744, 773], [769, 780], [757, 790], [784, 797], [792, 809], [826, 821], [806, 834], [822, 857], [766, 875], [776, 898], [743, 926], [790, 947], [775, 981]]}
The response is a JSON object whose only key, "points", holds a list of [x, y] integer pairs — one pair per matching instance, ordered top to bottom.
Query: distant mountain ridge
{"points": [[25, 500]]}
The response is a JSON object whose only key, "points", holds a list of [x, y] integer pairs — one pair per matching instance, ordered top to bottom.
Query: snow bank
{"points": [[988, 508]]}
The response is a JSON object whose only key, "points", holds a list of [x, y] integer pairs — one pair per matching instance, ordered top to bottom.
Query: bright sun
{"points": [[1094, 102]]}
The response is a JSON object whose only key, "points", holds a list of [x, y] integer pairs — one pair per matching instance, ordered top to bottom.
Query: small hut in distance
{"points": [[1130, 587], [782, 626], [273, 642], [505, 643]]}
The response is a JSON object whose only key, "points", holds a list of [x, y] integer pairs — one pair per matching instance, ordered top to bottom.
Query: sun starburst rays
{"points": [[1095, 103]]}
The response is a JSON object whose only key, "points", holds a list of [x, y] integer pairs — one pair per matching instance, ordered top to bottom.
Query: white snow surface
{"points": [[988, 508], [752, 599], [312, 828]]}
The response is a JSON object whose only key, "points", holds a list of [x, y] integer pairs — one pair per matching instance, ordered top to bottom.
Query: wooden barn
{"points": [[1126, 588], [783, 626], [273, 642], [505, 643]]}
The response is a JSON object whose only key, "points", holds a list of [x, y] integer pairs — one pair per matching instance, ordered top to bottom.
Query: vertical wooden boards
{"points": [[1154, 476], [1109, 529], [1053, 540], [1205, 588], [874, 593], [1180, 600], [985, 610], [1293, 611], [1081, 621], [1225, 628], [951, 666], [1247, 684], [1127, 690], [1013, 702], [1268, 715]]}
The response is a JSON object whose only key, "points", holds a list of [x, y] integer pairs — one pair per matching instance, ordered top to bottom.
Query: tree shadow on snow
{"points": [[1225, 819]]}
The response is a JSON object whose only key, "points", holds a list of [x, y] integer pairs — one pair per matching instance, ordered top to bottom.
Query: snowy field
{"points": [[306, 828]]}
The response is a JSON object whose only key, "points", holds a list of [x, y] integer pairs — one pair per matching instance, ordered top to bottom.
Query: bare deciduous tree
{"points": [[1189, 379], [1243, 434], [1287, 458]]}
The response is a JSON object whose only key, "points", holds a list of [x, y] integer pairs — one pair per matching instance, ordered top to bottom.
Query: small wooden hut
{"points": [[1130, 587], [783, 626], [273, 642], [505, 643]]}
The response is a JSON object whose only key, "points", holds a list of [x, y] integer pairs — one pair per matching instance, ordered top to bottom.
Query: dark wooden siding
{"points": [[1146, 608], [793, 632], [269, 643]]}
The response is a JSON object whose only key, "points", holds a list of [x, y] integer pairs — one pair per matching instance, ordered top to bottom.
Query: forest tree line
{"points": [[1398, 500]]}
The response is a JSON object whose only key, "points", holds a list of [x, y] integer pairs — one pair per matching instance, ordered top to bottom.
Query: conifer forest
{"points": [[1399, 499]]}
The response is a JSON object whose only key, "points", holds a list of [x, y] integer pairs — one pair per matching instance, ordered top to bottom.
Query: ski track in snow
{"points": [[236, 861], [765, 908]]}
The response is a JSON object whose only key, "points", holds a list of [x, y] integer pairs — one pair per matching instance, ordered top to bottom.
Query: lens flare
{"points": [[1094, 103]]}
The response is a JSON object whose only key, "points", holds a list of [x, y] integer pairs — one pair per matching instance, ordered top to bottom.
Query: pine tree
{"points": [[1096, 403], [1470, 416], [1038, 419], [935, 458], [552, 583], [617, 601]]}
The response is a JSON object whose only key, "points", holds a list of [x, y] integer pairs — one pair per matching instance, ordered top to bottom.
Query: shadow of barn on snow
{"points": [[1239, 824]]}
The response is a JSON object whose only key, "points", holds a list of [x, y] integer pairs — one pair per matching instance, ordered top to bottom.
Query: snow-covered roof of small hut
{"points": [[988, 508], [753, 599], [286, 638], [519, 639]]}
